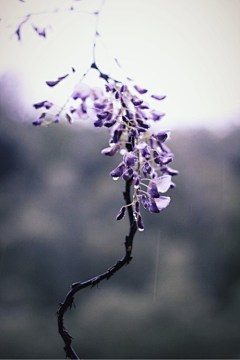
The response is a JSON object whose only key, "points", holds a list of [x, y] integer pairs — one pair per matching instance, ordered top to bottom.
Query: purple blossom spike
{"points": [[53, 83], [140, 90], [158, 97], [110, 151], [121, 213]]}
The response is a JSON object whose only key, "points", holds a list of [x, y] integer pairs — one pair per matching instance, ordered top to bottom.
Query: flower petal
{"points": [[55, 82], [140, 90], [158, 97], [110, 151], [163, 183], [162, 202], [121, 213]]}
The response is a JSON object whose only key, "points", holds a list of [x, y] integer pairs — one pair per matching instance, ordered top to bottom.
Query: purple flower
{"points": [[39, 31], [55, 82], [123, 88], [140, 90], [81, 91], [96, 93], [158, 97], [136, 101], [45, 103], [39, 104], [100, 105], [144, 106], [103, 115], [156, 115], [56, 118], [69, 119], [39, 121], [98, 123], [109, 123], [162, 136], [110, 151], [145, 152], [166, 158], [130, 159], [146, 168], [169, 171], [116, 173], [128, 174], [137, 179], [162, 183], [153, 191], [144, 201], [156, 205], [137, 207], [121, 213], [140, 223]]}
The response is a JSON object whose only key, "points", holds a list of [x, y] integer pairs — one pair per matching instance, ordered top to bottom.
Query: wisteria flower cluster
{"points": [[128, 117]]}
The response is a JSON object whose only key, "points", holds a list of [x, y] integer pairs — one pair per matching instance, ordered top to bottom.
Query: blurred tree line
{"points": [[179, 297]]}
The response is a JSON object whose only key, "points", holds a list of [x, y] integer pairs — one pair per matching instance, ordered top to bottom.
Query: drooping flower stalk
{"points": [[122, 109]]}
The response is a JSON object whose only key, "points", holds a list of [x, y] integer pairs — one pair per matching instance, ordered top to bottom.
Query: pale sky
{"points": [[188, 50]]}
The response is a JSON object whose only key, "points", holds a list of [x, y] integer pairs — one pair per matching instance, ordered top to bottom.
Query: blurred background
{"points": [[180, 296]]}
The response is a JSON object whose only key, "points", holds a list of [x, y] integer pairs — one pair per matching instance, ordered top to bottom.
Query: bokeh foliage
{"points": [[179, 297]]}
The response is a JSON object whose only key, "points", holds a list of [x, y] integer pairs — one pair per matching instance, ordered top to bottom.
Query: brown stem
{"points": [[75, 287]]}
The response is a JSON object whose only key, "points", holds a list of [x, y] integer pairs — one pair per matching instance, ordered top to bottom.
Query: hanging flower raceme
{"points": [[128, 118]]}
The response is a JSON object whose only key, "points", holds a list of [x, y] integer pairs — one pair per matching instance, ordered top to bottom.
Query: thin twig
{"points": [[68, 302]]}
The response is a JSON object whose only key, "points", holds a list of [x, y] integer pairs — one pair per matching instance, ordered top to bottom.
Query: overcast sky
{"points": [[188, 50]]}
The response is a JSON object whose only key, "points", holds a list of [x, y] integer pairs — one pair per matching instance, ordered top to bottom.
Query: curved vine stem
{"points": [[75, 287]]}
